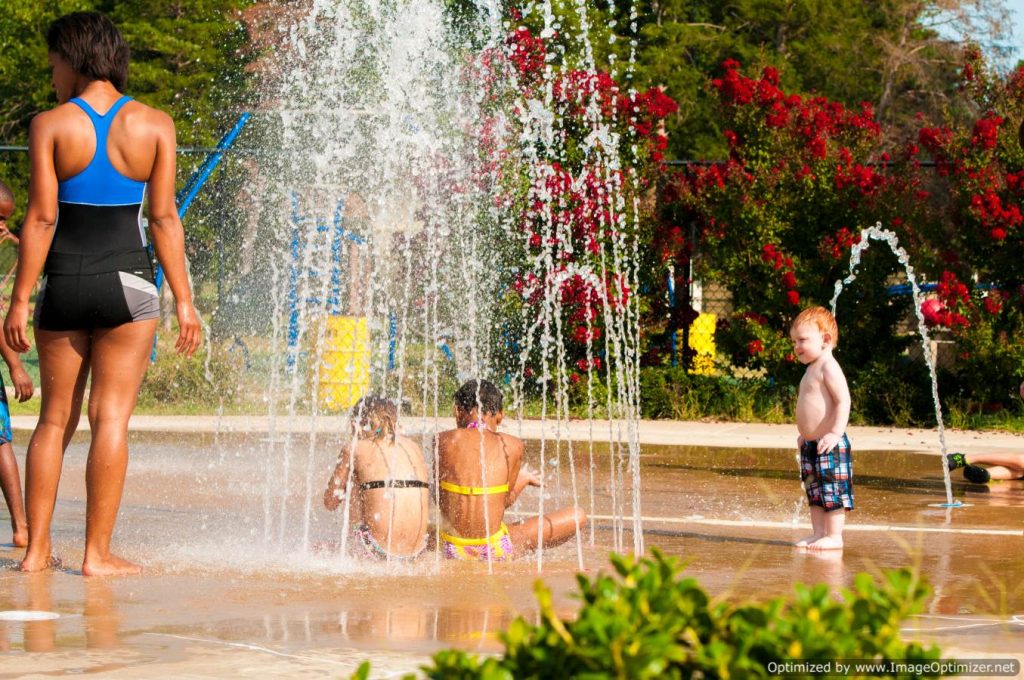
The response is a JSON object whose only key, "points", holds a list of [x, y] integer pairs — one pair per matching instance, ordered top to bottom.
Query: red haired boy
{"points": [[822, 413]]}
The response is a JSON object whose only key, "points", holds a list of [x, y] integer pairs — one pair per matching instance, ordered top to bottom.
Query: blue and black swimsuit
{"points": [[98, 273]]}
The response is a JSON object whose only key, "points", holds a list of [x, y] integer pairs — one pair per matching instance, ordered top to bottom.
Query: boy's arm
{"points": [[835, 383], [23, 387], [336, 485]]}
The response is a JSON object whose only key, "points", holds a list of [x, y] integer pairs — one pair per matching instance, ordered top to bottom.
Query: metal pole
{"points": [[672, 306]]}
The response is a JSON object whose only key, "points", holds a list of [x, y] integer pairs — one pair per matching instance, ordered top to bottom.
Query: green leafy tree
{"points": [[899, 55], [189, 58]]}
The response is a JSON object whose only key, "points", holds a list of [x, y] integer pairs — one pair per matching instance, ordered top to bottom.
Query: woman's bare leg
{"points": [[119, 357], [63, 369], [559, 526]]}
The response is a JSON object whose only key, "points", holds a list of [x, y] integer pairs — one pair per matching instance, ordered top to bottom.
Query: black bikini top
{"points": [[394, 484]]}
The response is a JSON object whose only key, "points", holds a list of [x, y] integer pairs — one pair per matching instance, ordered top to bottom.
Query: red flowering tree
{"points": [[571, 191], [776, 220], [976, 227]]}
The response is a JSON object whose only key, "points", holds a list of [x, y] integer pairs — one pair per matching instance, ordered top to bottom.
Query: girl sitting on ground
{"points": [[384, 477]]}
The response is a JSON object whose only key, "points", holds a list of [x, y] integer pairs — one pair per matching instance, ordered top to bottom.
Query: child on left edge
{"points": [[10, 480]]}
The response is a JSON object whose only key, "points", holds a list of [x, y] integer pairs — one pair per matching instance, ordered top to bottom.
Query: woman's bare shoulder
{"points": [[136, 113], [51, 118]]}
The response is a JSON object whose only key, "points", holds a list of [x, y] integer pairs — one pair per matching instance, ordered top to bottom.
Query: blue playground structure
{"points": [[194, 184], [295, 273]]}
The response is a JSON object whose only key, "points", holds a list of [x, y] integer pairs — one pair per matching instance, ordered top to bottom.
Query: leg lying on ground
{"points": [[999, 465]]}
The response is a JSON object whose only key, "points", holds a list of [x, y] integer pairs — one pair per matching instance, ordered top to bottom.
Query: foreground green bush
{"points": [[648, 622]]}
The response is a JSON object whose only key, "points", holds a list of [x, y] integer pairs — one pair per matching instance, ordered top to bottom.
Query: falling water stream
{"points": [[373, 132], [879, 234]]}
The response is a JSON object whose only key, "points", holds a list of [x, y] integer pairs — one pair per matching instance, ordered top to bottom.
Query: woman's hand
{"points": [[15, 327], [189, 330], [23, 387]]}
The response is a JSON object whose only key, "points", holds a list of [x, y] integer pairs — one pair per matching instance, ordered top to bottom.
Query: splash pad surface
{"points": [[219, 598]]}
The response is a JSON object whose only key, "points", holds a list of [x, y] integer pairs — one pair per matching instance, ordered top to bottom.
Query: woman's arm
{"points": [[37, 232], [169, 236]]}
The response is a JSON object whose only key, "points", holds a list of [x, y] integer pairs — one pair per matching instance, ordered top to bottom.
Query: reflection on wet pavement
{"points": [[223, 592]]}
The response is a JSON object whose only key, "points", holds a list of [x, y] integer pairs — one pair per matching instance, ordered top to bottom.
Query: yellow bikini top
{"points": [[474, 490]]}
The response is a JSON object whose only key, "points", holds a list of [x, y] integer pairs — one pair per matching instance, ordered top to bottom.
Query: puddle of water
{"points": [[216, 589]]}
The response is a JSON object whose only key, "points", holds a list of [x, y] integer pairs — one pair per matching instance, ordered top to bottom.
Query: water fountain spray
{"points": [[879, 234]]}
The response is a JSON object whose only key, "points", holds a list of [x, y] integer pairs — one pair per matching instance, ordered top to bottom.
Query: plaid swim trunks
{"points": [[828, 477]]}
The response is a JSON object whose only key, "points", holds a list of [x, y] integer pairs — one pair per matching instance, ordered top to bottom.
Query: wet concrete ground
{"points": [[239, 582]]}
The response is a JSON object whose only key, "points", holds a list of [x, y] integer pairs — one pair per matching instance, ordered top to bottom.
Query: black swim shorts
{"points": [[96, 290]]}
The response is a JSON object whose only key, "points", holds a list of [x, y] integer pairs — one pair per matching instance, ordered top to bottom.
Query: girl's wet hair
{"points": [[92, 46], [482, 393], [376, 417]]}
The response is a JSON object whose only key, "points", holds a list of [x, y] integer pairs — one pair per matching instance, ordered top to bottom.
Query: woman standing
{"points": [[92, 159]]}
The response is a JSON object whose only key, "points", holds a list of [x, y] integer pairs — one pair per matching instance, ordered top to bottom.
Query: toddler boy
{"points": [[822, 413]]}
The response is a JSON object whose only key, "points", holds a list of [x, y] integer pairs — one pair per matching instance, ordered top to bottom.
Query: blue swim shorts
{"points": [[5, 415], [828, 477]]}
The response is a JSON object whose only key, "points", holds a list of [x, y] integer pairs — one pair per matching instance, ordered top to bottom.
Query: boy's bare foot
{"points": [[806, 541], [827, 543], [110, 566]]}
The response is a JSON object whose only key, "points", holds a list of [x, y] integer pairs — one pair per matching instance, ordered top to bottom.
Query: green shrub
{"points": [[177, 383], [672, 392], [893, 393], [649, 622]]}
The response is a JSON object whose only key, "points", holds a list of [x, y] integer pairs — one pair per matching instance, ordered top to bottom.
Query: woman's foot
{"points": [[976, 475], [20, 538], [33, 564], [110, 566]]}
